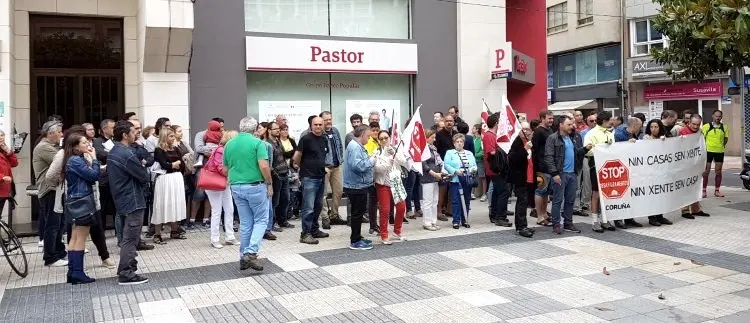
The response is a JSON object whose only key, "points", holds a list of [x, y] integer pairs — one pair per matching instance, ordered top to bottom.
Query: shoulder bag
{"points": [[210, 179], [81, 210]]}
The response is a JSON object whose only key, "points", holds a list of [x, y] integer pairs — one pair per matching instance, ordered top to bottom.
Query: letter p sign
{"points": [[499, 56]]}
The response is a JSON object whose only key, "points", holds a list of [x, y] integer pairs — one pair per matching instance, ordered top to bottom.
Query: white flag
{"points": [[508, 126], [414, 143]]}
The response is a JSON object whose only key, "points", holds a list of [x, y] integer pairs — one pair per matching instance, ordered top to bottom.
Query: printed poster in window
{"points": [[655, 108], [388, 110], [296, 113]]}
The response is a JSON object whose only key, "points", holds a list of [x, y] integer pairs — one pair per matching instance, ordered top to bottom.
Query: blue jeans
{"points": [[412, 186], [563, 196], [274, 202], [282, 204], [312, 204], [252, 206], [458, 213]]}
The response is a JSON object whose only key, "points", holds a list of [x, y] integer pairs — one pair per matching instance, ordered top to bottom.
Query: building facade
{"points": [[193, 60], [584, 65], [651, 90]]}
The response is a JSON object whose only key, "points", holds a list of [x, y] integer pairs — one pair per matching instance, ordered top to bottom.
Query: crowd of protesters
{"points": [[254, 181]]}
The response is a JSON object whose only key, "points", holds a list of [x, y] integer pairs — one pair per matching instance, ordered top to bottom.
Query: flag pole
{"points": [[489, 111]]}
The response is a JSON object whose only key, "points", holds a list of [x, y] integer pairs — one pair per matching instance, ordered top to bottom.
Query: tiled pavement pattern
{"points": [[701, 268]]}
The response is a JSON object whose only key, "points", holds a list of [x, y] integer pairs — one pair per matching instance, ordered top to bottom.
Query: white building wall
{"points": [[481, 26], [605, 28], [150, 95]]}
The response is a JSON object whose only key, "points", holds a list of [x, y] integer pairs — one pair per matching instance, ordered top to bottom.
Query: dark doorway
{"points": [[76, 71]]}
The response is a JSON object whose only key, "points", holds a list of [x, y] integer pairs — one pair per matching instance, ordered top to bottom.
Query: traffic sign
{"points": [[614, 179]]}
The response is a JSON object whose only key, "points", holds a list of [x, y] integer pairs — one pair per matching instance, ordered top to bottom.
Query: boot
{"points": [[75, 269]]}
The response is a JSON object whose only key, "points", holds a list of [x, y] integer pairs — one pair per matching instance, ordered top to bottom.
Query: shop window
{"points": [[585, 11], [349, 18], [557, 18], [644, 37], [608, 64], [588, 67], [550, 73], [336, 92]]}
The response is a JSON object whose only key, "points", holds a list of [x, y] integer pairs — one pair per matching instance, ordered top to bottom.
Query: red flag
{"points": [[485, 114]]}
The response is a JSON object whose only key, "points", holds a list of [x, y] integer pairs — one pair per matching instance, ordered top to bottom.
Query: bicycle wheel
{"points": [[13, 250]]}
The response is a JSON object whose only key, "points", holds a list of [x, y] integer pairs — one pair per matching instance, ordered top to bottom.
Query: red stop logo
{"points": [[614, 179]]}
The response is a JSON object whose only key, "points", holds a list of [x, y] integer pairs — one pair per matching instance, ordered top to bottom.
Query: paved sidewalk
{"points": [[693, 271]]}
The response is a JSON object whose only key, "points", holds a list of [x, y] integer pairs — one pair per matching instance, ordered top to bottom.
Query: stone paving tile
{"points": [[533, 250], [698, 250], [480, 257], [424, 263], [364, 271], [525, 272], [616, 276], [464, 280], [297, 281], [648, 285], [397, 290], [577, 291], [216, 293], [516, 293], [744, 293], [482, 298], [324, 302], [717, 307], [525, 308], [441, 309], [170, 310], [257, 310], [608, 311], [672, 314], [370, 315], [572, 315], [741, 317], [640, 318]]}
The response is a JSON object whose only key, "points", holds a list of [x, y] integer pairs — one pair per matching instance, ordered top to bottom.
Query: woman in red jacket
{"points": [[8, 160]]}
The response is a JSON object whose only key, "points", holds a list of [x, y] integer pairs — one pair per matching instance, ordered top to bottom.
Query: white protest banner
{"points": [[388, 109], [296, 113], [649, 177]]}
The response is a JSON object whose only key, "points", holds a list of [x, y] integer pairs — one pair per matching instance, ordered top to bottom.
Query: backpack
{"points": [[711, 127], [499, 161]]}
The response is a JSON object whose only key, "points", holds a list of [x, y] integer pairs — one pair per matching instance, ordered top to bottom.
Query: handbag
{"points": [[211, 180], [80, 210]]}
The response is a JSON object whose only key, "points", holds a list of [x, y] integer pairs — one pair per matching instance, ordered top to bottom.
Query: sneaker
{"points": [[473, 197], [483, 198], [701, 213], [688, 216], [442, 217], [663, 220], [337, 221], [654, 222], [503, 223], [633, 223], [207, 224], [326, 224], [619, 224], [287, 225], [190, 226], [607, 226], [597, 227], [276, 228], [429, 228], [557, 228], [571, 228], [526, 233], [320, 235], [269, 236], [398, 238], [308, 239], [386, 241], [231, 242], [40, 244], [217, 245], [360, 245], [144, 246], [250, 260], [58, 263], [109, 263], [135, 280]]}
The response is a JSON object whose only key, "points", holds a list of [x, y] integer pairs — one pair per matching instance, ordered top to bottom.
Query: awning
{"points": [[563, 106]]}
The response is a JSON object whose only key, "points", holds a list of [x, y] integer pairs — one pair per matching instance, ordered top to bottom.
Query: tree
{"points": [[705, 36]]}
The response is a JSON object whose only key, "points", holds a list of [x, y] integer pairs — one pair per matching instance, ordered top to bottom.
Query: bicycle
{"points": [[11, 245]]}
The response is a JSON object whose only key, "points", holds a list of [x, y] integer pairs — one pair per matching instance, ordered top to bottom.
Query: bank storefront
{"points": [[302, 77]]}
